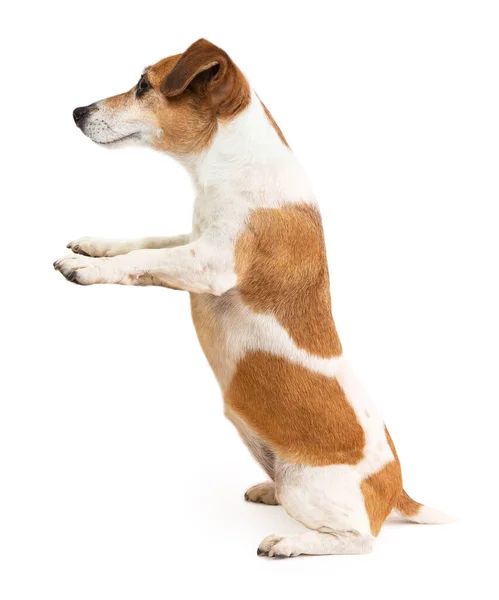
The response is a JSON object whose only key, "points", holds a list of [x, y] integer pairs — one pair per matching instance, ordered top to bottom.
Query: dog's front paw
{"points": [[95, 247], [82, 270]]}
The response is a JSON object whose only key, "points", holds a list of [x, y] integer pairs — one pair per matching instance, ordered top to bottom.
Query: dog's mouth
{"points": [[101, 132], [117, 140]]}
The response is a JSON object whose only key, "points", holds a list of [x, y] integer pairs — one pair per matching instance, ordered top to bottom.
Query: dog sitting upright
{"points": [[255, 266]]}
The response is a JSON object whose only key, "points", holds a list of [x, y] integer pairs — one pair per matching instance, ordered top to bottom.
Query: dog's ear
{"points": [[202, 67]]}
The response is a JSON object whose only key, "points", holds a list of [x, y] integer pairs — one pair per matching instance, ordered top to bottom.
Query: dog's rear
{"points": [[255, 265]]}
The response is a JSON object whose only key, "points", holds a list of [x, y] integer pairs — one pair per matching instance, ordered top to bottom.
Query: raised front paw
{"points": [[96, 247], [82, 270], [263, 493]]}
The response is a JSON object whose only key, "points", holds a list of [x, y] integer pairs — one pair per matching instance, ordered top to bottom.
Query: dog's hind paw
{"points": [[263, 493]]}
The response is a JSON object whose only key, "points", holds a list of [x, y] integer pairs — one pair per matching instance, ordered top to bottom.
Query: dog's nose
{"points": [[79, 114]]}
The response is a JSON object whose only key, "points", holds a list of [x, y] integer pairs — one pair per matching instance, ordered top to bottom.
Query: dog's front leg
{"points": [[101, 247], [197, 267]]}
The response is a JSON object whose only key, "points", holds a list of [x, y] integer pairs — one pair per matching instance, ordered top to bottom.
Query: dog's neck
{"points": [[247, 157]]}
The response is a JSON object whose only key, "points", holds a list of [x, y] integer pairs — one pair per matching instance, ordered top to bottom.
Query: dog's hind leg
{"points": [[262, 493], [328, 500]]}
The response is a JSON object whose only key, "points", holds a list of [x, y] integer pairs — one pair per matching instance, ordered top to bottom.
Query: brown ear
{"points": [[206, 62]]}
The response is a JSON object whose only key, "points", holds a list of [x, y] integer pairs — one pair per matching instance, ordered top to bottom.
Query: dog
{"points": [[256, 269]]}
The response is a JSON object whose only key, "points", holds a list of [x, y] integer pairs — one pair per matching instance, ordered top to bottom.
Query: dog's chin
{"points": [[105, 136], [126, 140]]}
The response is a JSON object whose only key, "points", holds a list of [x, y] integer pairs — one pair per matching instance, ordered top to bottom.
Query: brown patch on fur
{"points": [[274, 124], [193, 252], [280, 261], [204, 316], [304, 417], [258, 448], [382, 490], [404, 504], [407, 506]]}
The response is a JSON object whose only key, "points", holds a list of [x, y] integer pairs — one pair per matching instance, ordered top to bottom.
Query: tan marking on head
{"points": [[158, 72], [198, 88], [190, 93], [120, 101], [193, 252], [280, 261], [304, 417], [382, 490]]}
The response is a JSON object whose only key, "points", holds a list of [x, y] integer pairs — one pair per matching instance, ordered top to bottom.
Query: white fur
{"points": [[107, 126], [248, 164], [322, 498], [429, 516], [313, 542]]}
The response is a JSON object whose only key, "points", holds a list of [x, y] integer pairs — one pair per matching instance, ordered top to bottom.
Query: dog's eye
{"points": [[142, 86]]}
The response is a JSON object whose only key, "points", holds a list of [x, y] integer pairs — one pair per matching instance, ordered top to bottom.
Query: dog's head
{"points": [[176, 105]]}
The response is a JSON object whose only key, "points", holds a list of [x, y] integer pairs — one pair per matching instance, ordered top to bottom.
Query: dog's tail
{"points": [[414, 511]]}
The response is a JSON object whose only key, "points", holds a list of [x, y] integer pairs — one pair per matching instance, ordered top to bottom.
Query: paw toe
{"points": [[77, 249], [73, 277], [267, 544], [278, 546], [280, 550]]}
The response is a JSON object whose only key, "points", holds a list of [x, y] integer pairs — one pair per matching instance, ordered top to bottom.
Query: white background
{"points": [[119, 476]]}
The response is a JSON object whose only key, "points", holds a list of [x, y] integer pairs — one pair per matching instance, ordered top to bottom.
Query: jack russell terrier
{"points": [[255, 266]]}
